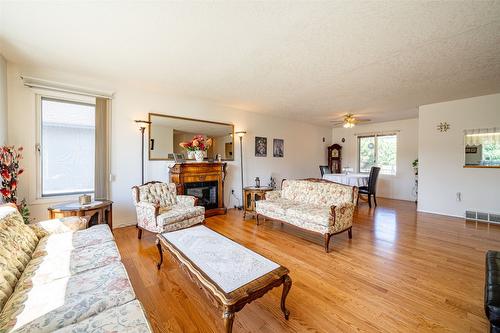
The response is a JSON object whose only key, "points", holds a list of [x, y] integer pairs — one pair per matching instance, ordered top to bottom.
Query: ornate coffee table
{"points": [[228, 273]]}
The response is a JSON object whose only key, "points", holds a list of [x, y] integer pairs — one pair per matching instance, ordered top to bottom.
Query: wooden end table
{"points": [[251, 194], [102, 208], [209, 259]]}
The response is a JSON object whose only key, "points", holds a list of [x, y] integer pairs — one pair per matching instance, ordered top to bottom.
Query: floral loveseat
{"points": [[316, 205], [160, 209], [57, 276]]}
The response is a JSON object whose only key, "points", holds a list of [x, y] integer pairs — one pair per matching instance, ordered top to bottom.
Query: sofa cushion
{"points": [[317, 192], [273, 208], [179, 213], [310, 213], [71, 240], [17, 243], [55, 263], [62, 302], [128, 318]]}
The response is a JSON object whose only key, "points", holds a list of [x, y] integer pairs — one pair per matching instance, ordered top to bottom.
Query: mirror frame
{"points": [[182, 118]]}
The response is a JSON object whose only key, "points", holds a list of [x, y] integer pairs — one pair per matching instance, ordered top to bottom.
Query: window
{"points": [[67, 147], [482, 147], [378, 150]]}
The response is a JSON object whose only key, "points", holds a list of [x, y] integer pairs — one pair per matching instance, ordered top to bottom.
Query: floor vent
{"points": [[482, 216]]}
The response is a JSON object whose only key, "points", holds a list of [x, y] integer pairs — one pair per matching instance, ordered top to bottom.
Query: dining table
{"points": [[352, 179]]}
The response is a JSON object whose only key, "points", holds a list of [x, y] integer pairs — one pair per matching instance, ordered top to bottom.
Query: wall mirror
{"points": [[167, 132]]}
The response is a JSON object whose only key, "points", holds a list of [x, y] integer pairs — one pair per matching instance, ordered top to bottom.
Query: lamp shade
{"points": [[142, 123], [240, 133]]}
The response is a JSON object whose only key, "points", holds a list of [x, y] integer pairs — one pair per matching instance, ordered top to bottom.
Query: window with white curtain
{"points": [[67, 147], [482, 147], [378, 150]]}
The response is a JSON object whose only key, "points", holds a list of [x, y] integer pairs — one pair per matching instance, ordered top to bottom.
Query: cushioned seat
{"points": [[319, 206], [276, 207], [160, 209], [179, 213], [71, 240], [55, 264], [55, 273], [492, 290], [45, 307], [124, 318]]}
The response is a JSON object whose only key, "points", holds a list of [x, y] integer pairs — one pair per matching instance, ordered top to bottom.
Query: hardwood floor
{"points": [[402, 272]]}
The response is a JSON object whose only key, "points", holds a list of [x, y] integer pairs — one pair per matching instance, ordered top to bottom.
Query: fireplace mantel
{"points": [[203, 174]]}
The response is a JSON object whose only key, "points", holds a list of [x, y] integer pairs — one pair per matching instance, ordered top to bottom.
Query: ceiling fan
{"points": [[349, 121]]}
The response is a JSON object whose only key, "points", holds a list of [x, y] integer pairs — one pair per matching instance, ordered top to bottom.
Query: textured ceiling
{"points": [[311, 61]]}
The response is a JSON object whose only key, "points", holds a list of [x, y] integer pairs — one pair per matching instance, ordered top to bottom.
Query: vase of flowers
{"points": [[197, 147], [10, 171]]}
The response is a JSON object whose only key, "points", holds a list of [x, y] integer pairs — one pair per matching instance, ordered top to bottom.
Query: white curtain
{"points": [[474, 137], [101, 179]]}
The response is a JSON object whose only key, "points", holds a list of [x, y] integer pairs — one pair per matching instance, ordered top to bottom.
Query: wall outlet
{"points": [[459, 196]]}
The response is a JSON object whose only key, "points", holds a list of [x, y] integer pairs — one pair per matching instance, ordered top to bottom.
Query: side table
{"points": [[251, 194], [102, 209]]}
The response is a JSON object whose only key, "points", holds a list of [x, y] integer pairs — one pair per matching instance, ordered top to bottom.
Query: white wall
{"points": [[3, 101], [304, 149], [441, 173], [399, 186]]}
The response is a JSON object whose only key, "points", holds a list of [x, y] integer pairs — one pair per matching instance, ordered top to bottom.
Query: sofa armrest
{"points": [[273, 195], [187, 200], [147, 209], [342, 216], [56, 226]]}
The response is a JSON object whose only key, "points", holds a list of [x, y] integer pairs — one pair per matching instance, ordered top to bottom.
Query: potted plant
{"points": [[197, 147], [415, 166], [10, 170]]}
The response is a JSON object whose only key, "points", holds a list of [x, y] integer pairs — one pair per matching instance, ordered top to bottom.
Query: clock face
{"points": [[335, 153]]}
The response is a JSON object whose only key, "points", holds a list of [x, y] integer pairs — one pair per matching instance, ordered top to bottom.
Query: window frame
{"points": [[63, 97], [375, 136]]}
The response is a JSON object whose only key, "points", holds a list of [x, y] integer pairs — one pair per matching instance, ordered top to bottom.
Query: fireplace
{"points": [[204, 180], [206, 192]]}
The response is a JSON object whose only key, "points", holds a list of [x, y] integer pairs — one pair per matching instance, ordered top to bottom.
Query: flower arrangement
{"points": [[197, 143], [10, 170]]}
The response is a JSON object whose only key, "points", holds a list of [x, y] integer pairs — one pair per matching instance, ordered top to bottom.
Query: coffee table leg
{"points": [[158, 245], [287, 284], [228, 321]]}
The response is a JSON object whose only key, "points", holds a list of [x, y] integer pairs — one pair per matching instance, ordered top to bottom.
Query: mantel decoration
{"points": [[197, 147], [10, 170]]}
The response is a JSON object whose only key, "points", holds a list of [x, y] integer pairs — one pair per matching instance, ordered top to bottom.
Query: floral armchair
{"points": [[320, 206], [160, 209]]}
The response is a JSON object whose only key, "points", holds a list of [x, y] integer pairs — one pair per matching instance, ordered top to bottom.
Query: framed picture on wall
{"points": [[260, 146], [278, 147]]}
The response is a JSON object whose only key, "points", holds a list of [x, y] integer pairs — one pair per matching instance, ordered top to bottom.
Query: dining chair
{"points": [[324, 169], [371, 189]]}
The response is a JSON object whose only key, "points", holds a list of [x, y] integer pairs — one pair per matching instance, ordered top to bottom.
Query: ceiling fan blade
{"points": [[362, 120]]}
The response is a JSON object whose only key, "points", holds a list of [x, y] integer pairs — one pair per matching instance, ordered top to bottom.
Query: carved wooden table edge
{"points": [[232, 302]]}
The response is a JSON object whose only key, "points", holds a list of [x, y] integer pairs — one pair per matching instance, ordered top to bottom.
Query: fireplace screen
{"points": [[206, 192]]}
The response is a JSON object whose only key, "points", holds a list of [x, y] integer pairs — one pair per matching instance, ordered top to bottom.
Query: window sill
{"points": [[482, 166], [55, 199]]}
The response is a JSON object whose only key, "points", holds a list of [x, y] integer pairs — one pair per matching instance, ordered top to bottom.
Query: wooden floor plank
{"points": [[403, 271]]}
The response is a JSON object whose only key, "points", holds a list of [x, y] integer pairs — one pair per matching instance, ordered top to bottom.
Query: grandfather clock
{"points": [[335, 158]]}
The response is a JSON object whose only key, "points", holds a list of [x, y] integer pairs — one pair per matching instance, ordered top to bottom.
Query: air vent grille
{"points": [[482, 216]]}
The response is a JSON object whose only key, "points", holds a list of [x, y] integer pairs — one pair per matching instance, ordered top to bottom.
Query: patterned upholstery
{"points": [[319, 206], [160, 209], [54, 277]]}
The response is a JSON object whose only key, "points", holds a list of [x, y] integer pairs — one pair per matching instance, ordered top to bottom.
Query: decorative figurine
{"points": [[257, 182]]}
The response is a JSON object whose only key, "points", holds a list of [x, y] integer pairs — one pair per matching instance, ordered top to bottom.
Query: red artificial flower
{"points": [[20, 171], [5, 174], [13, 185], [5, 192]]}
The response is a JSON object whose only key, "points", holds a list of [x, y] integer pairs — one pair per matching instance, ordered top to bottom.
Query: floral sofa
{"points": [[316, 205], [160, 209], [57, 276]]}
